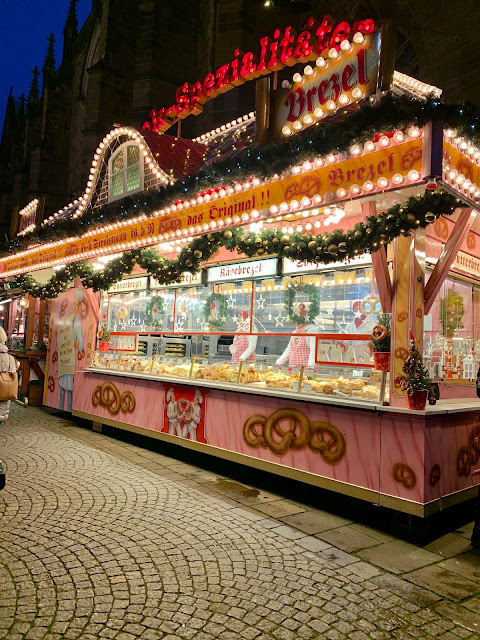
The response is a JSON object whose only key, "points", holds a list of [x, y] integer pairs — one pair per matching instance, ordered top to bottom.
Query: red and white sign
{"points": [[285, 48], [335, 83], [305, 266]]}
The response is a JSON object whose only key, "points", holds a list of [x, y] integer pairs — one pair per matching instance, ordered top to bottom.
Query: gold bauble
{"points": [[429, 217], [411, 218], [368, 231], [227, 234], [358, 234], [210, 237], [285, 239], [275, 240], [258, 242], [312, 245], [342, 246], [333, 249], [261, 251], [197, 254], [188, 263]]}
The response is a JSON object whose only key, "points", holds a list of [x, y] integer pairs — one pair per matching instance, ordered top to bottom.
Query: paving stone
{"points": [[280, 508], [312, 522], [348, 539], [449, 545], [398, 556], [466, 564], [444, 582], [406, 590], [459, 615]]}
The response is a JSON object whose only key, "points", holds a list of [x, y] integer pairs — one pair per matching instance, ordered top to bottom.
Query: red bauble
{"points": [[212, 305]]}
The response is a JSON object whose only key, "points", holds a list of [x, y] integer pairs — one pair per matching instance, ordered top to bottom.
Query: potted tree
{"points": [[104, 336], [380, 341], [415, 380]]}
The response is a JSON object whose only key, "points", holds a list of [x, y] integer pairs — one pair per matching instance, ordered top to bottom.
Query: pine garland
{"points": [[388, 114], [365, 237], [314, 299], [216, 301], [155, 306]]}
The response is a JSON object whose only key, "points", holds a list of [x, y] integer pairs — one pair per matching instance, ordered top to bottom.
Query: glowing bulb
{"points": [[358, 38], [345, 45], [333, 53], [321, 63], [308, 71], [297, 77], [344, 99], [318, 113], [297, 125], [286, 131], [413, 175]]}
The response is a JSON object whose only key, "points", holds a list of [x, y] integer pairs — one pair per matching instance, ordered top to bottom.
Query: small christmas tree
{"points": [[415, 376]]}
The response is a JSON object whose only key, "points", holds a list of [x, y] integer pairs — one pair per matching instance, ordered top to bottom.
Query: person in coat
{"points": [[7, 364]]}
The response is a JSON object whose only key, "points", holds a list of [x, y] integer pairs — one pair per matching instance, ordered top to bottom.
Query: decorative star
{"points": [[261, 301], [230, 302], [357, 314], [269, 316], [236, 320], [279, 320], [342, 322], [114, 326], [179, 326], [204, 327]]}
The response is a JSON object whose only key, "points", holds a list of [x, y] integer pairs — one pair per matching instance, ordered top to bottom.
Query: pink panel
{"points": [[91, 396]]}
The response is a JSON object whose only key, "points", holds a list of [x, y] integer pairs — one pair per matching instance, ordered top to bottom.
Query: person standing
{"points": [[8, 364]]}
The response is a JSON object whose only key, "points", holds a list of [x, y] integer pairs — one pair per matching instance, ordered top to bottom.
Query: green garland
{"points": [[388, 114], [367, 236], [289, 298], [214, 299], [156, 305]]}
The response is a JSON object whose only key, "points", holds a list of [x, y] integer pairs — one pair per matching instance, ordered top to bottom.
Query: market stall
{"points": [[234, 306]]}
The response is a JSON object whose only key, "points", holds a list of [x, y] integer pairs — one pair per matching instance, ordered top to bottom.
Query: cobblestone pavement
{"points": [[102, 539]]}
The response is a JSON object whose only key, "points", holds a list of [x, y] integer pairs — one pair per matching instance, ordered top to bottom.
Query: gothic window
{"points": [[125, 171]]}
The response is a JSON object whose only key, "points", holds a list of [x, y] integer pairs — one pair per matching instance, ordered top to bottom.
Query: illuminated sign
{"points": [[285, 48], [347, 77], [383, 169], [467, 263], [304, 266], [243, 270], [188, 280], [132, 284]]}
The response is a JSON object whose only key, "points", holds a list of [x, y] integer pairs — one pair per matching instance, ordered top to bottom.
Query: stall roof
{"points": [[177, 157]]}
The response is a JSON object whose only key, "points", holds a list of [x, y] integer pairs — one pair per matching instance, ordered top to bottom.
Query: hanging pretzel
{"points": [[371, 304], [379, 332], [253, 431], [328, 441], [435, 474], [404, 475]]}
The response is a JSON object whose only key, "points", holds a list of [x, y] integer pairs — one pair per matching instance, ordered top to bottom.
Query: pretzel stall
{"points": [[297, 290]]}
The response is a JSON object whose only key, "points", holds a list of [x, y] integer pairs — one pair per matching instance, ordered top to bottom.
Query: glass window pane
{"points": [[133, 155], [117, 162], [133, 177], [117, 184]]}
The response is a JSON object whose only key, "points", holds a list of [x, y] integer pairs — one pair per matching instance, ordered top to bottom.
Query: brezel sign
{"points": [[283, 49]]}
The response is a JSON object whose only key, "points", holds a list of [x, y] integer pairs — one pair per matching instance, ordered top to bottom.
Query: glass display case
{"points": [[329, 380]]}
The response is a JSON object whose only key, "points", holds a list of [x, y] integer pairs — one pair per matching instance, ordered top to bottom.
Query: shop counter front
{"points": [[412, 461]]}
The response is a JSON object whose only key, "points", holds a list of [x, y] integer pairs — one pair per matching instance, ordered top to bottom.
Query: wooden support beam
{"points": [[462, 226], [380, 265]]}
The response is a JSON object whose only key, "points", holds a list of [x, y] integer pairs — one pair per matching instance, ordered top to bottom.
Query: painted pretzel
{"points": [[63, 308], [83, 309], [418, 313], [402, 316], [380, 332], [401, 353], [81, 355], [55, 356], [51, 384], [96, 396], [110, 398], [127, 402], [184, 406], [253, 431], [289, 438], [328, 441], [474, 444], [463, 462], [405, 475], [435, 475]]}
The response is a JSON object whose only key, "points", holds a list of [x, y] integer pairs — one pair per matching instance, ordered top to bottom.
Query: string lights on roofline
{"points": [[209, 136], [80, 204]]}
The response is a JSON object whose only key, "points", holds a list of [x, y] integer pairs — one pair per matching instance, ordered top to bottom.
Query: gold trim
{"points": [[362, 493]]}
